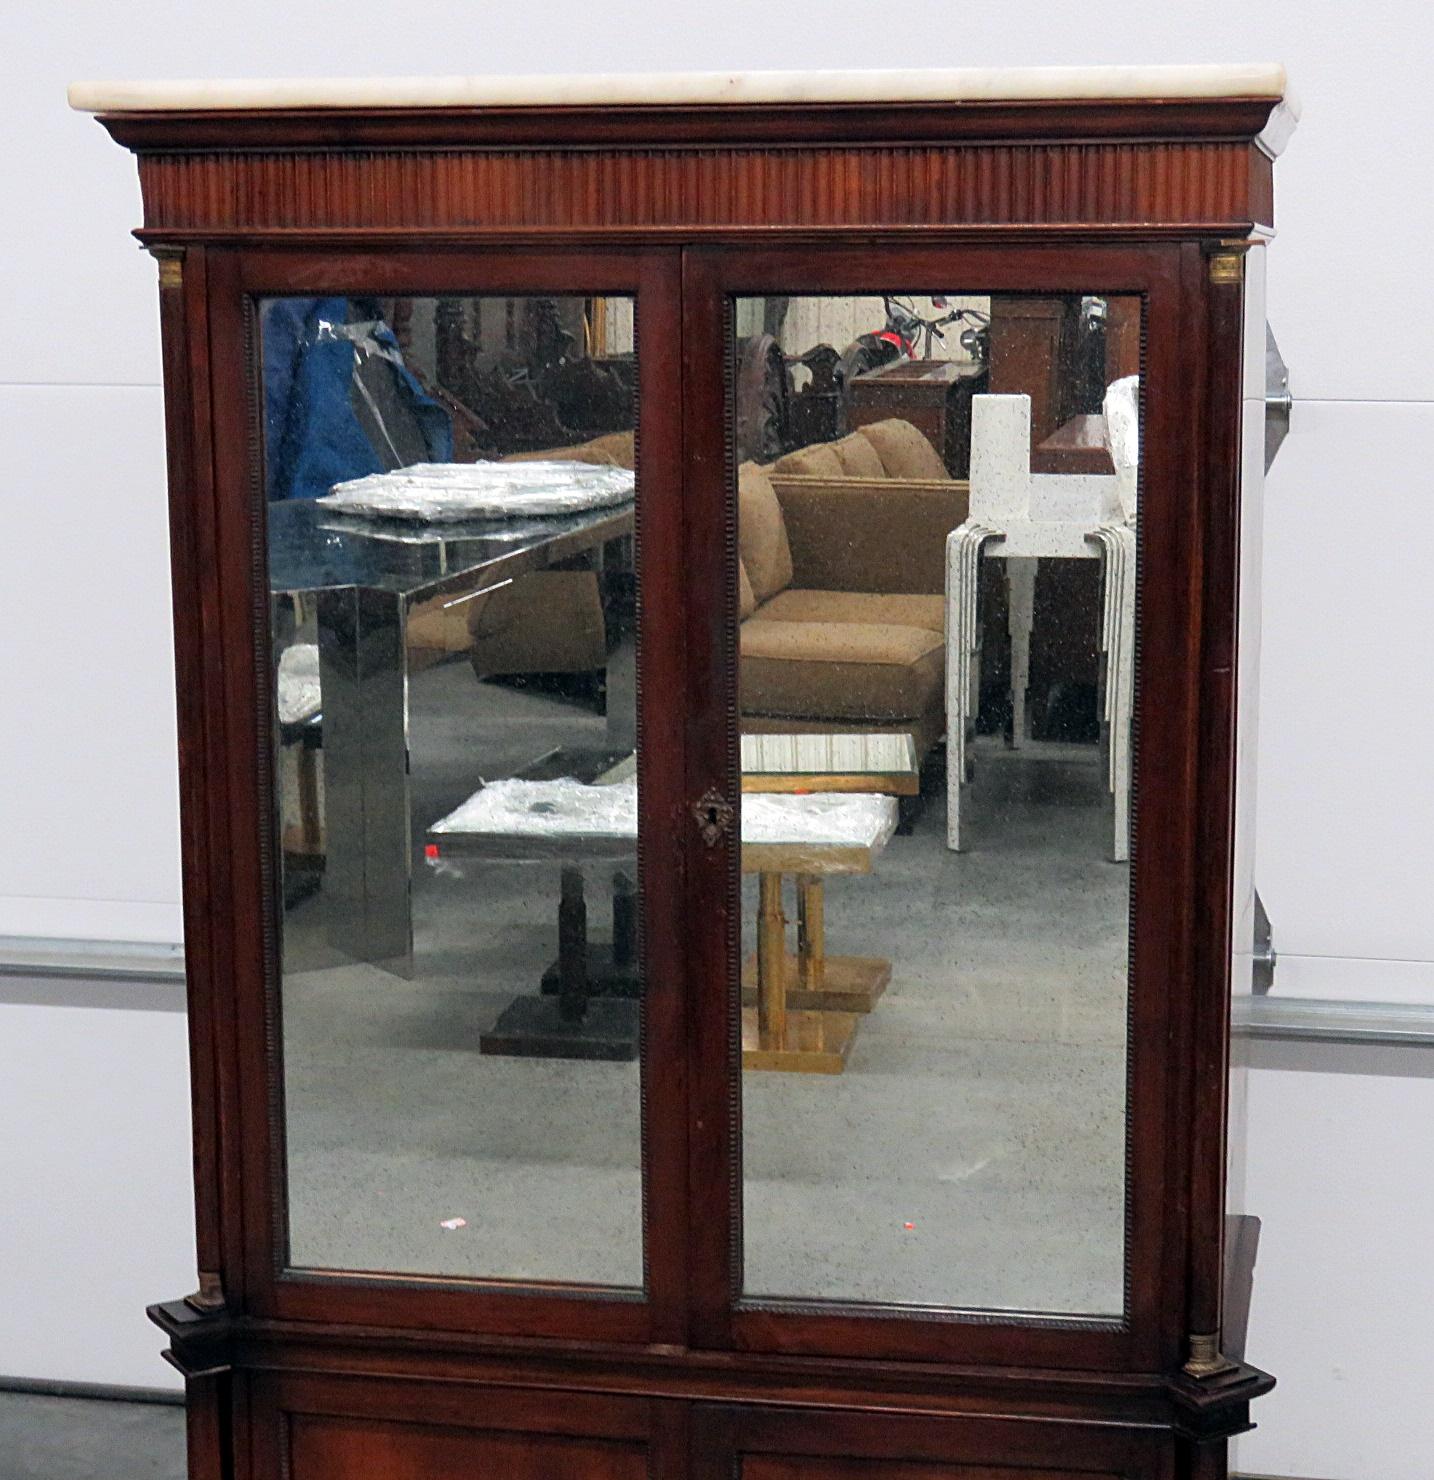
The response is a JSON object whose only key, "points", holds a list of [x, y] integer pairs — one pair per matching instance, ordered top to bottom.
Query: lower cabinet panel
{"points": [[312, 1427], [329, 1428], [741, 1443], [349, 1449], [772, 1467]]}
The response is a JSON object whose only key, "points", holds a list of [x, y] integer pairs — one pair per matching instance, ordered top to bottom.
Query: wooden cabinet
{"points": [[934, 396], [509, 1153]]}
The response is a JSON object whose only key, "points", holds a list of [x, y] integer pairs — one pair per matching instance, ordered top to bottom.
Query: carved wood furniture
{"points": [[933, 395], [729, 1300]]}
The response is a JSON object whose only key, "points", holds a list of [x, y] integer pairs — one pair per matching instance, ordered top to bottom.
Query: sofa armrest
{"points": [[870, 534]]}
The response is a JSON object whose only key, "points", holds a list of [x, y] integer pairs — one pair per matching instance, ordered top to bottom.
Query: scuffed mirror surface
{"points": [[937, 502], [450, 508]]}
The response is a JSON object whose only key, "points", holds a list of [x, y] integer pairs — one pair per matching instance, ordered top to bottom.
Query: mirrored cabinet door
{"points": [[451, 491], [937, 498]]}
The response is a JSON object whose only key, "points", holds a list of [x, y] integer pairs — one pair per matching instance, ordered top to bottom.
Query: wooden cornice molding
{"points": [[696, 125], [1174, 167], [1161, 187]]}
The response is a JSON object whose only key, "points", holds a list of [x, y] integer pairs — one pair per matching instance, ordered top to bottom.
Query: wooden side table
{"points": [[835, 763], [791, 1017]]}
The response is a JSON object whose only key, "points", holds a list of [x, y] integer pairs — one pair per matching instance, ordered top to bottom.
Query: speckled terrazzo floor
{"points": [[971, 1154]]}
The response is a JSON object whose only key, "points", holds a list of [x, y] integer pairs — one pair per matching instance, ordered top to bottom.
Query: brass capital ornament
{"points": [[171, 267], [1227, 267], [209, 1297]]}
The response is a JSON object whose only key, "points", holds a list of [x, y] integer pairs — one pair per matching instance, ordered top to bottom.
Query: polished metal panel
{"points": [[365, 579]]}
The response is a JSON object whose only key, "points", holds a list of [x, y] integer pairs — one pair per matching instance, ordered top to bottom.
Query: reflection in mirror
{"points": [[450, 488], [937, 532]]}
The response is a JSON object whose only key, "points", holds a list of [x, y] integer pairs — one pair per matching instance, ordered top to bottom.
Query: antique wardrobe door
{"points": [[452, 724], [932, 1064]]}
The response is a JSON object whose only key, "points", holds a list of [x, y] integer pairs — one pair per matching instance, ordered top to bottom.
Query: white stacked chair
{"points": [[1023, 518]]}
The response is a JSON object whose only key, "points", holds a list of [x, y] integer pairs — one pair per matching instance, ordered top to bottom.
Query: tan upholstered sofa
{"points": [[843, 548]]}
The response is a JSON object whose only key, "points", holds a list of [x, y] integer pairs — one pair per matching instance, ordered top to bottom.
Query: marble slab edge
{"points": [[890, 85]]}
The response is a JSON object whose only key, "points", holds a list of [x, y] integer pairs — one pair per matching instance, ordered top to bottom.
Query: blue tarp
{"points": [[314, 435]]}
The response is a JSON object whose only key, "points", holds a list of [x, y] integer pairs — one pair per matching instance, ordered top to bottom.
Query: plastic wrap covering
{"points": [[486, 490], [299, 695], [555, 809], [571, 809], [862, 820]]}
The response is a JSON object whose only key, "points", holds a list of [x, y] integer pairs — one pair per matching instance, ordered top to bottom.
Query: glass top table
{"points": [[314, 548], [363, 578]]}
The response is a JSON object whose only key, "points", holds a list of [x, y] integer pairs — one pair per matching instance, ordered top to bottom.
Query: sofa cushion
{"points": [[621, 447], [903, 451], [588, 452], [858, 457], [817, 461], [885, 534], [762, 535], [746, 597], [869, 607], [544, 621], [856, 671]]}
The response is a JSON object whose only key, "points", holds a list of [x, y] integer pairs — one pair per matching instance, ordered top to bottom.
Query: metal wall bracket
{"points": [[1278, 401], [1263, 954]]}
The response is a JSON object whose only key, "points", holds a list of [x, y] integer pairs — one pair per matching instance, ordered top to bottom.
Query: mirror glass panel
{"points": [[450, 486], [937, 500]]}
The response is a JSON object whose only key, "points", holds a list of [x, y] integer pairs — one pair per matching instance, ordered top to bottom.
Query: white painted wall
{"points": [[88, 823], [96, 1212]]}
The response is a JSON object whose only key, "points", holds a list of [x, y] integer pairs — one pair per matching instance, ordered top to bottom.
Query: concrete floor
{"points": [[971, 1155], [47, 1438]]}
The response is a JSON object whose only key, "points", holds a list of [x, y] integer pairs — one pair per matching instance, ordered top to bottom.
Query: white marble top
{"points": [[961, 84]]}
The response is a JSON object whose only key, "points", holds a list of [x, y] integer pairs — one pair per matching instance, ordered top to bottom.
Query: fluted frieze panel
{"points": [[1062, 184]]}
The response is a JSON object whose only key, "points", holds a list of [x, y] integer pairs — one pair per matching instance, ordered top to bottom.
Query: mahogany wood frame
{"points": [[683, 207], [238, 280], [1167, 705]]}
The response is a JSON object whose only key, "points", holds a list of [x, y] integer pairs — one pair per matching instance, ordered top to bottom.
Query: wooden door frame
{"points": [[235, 932], [1174, 993]]}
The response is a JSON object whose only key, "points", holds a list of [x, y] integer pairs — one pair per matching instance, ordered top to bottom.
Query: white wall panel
{"points": [[88, 793], [1346, 808], [95, 1172], [1340, 1172]]}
